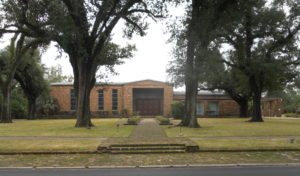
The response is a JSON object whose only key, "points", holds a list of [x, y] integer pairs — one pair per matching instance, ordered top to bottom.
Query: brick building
{"points": [[149, 97], [219, 104]]}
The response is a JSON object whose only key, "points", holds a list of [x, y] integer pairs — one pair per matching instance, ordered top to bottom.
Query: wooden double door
{"points": [[148, 107]]}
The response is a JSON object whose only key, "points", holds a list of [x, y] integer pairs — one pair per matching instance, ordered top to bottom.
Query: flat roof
{"points": [[108, 83]]}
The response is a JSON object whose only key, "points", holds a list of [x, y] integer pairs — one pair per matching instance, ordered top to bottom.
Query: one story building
{"points": [[150, 98]]}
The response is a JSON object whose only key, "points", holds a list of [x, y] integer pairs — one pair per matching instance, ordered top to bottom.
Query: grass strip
{"points": [[247, 144], [8, 145], [148, 159]]}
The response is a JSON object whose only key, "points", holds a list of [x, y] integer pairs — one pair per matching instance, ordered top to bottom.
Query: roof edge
{"points": [[109, 83]]}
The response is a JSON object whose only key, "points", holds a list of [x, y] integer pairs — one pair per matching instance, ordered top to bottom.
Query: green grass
{"points": [[134, 120], [238, 127], [65, 128], [246, 144], [9, 145], [148, 159]]}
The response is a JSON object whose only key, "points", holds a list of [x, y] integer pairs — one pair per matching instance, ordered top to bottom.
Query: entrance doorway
{"points": [[148, 101], [148, 106]]}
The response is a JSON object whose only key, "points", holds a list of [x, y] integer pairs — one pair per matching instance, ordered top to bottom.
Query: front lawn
{"points": [[237, 127], [65, 128]]}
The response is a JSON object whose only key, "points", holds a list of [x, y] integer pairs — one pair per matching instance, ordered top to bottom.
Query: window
{"points": [[73, 99], [100, 99], [114, 99], [200, 108], [213, 108]]}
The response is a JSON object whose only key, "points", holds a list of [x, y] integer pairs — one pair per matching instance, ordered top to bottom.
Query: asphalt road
{"points": [[209, 171]]}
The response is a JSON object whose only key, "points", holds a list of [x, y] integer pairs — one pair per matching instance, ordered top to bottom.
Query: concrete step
{"points": [[144, 148]]}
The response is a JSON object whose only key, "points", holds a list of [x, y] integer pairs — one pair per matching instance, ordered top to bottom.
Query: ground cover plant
{"points": [[291, 115], [134, 120], [163, 120], [236, 127], [65, 128], [248, 144], [15, 146], [86, 160]]}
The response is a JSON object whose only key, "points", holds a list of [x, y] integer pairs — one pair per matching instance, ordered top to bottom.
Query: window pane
{"points": [[73, 99], [115, 99], [100, 100], [200, 108], [213, 108]]}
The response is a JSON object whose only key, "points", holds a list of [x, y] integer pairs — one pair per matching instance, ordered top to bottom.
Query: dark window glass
{"points": [[73, 99], [114, 99], [100, 100], [213, 108]]}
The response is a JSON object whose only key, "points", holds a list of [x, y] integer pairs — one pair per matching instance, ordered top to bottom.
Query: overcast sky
{"points": [[149, 61]]}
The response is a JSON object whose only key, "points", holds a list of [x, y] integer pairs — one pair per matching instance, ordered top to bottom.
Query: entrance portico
{"points": [[148, 97], [148, 102]]}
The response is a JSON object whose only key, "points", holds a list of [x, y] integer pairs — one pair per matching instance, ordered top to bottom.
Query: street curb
{"points": [[167, 166]]}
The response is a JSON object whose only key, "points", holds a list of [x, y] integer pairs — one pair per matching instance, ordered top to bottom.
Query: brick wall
{"points": [[63, 94], [168, 94], [125, 96], [226, 106]]}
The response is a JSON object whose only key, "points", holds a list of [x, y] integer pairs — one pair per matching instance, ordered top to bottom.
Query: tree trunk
{"points": [[191, 82], [84, 84], [256, 99], [6, 106], [31, 108], [243, 108], [190, 118]]}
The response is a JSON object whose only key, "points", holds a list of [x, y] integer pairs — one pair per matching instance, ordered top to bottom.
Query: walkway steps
{"points": [[147, 137], [168, 145], [148, 148]]}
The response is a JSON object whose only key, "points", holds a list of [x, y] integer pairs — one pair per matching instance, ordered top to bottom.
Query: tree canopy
{"points": [[82, 29]]}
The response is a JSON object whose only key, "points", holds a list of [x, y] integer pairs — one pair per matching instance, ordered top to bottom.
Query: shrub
{"points": [[48, 106], [19, 108], [177, 110], [124, 112], [136, 113], [290, 115], [134, 120], [163, 120]]}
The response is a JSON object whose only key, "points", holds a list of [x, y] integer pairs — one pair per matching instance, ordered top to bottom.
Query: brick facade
{"points": [[62, 92], [209, 104], [271, 107]]}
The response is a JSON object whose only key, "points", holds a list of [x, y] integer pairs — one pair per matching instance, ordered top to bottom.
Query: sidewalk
{"points": [[148, 129], [148, 132]]}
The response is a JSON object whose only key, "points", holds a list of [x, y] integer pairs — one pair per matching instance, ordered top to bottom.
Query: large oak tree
{"points": [[202, 20], [82, 29], [264, 45], [11, 58]]}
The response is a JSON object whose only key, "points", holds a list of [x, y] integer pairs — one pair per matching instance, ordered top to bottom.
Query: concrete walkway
{"points": [[148, 129]]}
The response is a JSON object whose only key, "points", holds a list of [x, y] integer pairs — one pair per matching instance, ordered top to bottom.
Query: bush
{"points": [[48, 106], [19, 108], [177, 110], [124, 112], [136, 113], [290, 115], [134, 120], [163, 120]]}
